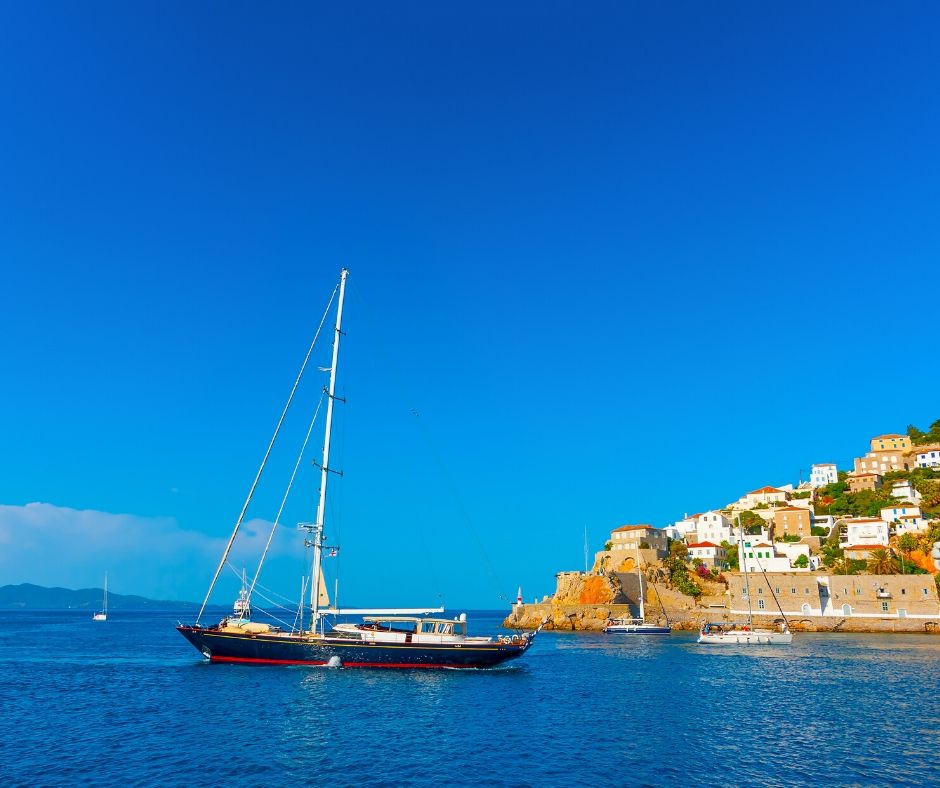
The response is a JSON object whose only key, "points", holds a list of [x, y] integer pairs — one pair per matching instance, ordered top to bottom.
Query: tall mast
{"points": [[325, 464], [743, 560], [639, 578]]}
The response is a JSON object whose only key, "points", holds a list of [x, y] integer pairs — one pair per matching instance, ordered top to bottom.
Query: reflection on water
{"points": [[130, 702]]}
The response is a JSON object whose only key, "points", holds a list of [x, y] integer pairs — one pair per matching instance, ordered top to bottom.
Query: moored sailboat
{"points": [[638, 626], [724, 633], [391, 638]]}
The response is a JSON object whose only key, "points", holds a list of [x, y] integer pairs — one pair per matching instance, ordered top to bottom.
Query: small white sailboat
{"points": [[102, 615], [638, 626], [730, 634]]}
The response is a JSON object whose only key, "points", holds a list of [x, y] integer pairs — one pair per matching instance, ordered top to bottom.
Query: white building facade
{"points": [[823, 473]]}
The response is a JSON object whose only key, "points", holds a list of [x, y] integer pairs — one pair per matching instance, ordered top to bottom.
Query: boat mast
{"points": [[325, 464], [743, 559], [639, 578], [106, 593]]}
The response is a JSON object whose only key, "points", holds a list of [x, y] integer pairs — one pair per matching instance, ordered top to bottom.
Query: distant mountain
{"points": [[31, 597]]}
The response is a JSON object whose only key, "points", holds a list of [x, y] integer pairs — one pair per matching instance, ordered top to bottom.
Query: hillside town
{"points": [[847, 549]]}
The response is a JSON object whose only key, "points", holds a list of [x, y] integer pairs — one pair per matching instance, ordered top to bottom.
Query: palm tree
{"points": [[881, 562]]}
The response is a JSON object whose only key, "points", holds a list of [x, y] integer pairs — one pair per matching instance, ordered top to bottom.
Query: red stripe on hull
{"points": [[255, 661]]}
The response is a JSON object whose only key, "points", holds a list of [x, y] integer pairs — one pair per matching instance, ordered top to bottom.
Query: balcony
{"points": [[883, 593]]}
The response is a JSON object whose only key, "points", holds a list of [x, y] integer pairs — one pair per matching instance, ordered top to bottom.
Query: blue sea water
{"points": [[129, 702]]}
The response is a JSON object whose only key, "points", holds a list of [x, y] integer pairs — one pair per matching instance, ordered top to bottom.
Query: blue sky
{"points": [[626, 261]]}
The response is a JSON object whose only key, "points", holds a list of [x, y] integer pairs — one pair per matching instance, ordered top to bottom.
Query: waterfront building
{"points": [[926, 456], [823, 473], [864, 481], [793, 521], [863, 531], [631, 537], [711, 555], [758, 556], [874, 597]]}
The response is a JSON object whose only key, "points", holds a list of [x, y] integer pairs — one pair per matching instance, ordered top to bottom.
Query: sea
{"points": [[128, 702]]}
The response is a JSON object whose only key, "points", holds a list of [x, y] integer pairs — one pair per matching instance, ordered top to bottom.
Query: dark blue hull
{"points": [[264, 649]]}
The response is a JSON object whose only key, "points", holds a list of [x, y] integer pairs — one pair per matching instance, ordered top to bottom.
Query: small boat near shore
{"points": [[638, 626], [732, 634]]}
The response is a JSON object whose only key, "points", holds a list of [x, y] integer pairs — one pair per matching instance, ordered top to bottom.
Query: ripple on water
{"points": [[133, 704]]}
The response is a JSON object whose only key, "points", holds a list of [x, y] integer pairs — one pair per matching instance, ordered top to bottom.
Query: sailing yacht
{"points": [[102, 615], [638, 626], [723, 633], [402, 638]]}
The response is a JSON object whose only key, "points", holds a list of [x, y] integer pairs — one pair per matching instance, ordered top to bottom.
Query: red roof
{"points": [[892, 435], [859, 475], [766, 490], [791, 509], [632, 528], [705, 544], [867, 547]]}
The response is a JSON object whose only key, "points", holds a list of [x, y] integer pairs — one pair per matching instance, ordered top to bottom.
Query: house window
{"points": [[760, 590], [776, 590], [793, 591], [806, 591], [903, 592], [926, 592], [760, 604], [884, 606]]}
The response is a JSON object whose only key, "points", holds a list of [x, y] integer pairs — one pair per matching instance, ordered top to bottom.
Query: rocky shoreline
{"points": [[593, 618]]}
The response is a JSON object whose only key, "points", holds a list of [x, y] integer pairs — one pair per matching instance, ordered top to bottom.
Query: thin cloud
{"points": [[152, 556]]}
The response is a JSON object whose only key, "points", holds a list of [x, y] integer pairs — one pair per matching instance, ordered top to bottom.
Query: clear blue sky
{"points": [[626, 260]]}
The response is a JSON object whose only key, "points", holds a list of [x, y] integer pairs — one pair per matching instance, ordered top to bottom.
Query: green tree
{"points": [[915, 434], [751, 522], [907, 543], [678, 550], [732, 553], [801, 562], [881, 562]]}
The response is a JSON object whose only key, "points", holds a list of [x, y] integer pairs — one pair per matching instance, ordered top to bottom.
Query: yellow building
{"points": [[900, 443], [864, 481]]}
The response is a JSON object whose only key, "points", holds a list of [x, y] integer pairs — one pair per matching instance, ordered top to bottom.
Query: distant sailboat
{"points": [[103, 615]]}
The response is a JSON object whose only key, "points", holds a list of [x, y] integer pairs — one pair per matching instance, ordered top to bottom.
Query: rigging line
{"points": [[254, 484], [277, 519], [263, 588]]}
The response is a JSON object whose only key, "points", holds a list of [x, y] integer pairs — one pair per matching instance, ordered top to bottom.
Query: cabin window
{"points": [[428, 627]]}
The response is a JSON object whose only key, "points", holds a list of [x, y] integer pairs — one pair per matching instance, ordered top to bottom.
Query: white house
{"points": [[927, 456], [823, 473], [905, 490], [769, 496], [904, 518], [714, 527], [684, 528], [863, 531], [710, 554], [762, 557]]}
